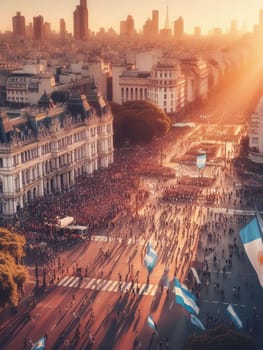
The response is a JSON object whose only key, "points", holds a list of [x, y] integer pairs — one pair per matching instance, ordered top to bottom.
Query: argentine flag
{"points": [[201, 160], [251, 238], [150, 258], [185, 298], [233, 316], [196, 322], [152, 324], [39, 344]]}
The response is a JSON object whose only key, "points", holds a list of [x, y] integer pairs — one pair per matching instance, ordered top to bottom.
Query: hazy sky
{"points": [[109, 13]]}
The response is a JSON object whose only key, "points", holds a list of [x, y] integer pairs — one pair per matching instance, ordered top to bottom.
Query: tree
{"points": [[138, 122], [12, 273], [218, 338]]}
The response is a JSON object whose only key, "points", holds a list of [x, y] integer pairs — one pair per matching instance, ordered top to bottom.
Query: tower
{"points": [[80, 21], [155, 22], [167, 22], [19, 26], [38, 28], [62, 28], [179, 28]]}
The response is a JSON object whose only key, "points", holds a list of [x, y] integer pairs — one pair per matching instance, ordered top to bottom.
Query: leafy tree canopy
{"points": [[138, 122], [12, 274], [218, 338]]}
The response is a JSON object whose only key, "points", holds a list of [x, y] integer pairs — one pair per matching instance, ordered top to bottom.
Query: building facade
{"points": [[80, 21], [19, 26], [38, 28], [167, 87], [255, 135], [44, 150]]}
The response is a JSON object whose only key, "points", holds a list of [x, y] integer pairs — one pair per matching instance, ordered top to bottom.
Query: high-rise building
{"points": [[80, 21], [155, 22], [19, 25], [130, 26], [127, 27], [233, 27], [38, 28], [62, 28], [179, 28], [47, 30], [197, 31]]}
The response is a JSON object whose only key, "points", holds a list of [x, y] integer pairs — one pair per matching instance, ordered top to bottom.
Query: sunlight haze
{"points": [[103, 13]]}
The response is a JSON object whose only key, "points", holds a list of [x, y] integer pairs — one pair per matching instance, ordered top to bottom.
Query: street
{"points": [[102, 293]]}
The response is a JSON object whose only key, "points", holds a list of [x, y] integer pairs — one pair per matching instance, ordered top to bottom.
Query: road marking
{"points": [[63, 280], [92, 280], [69, 281], [74, 283], [108, 285], [154, 289], [222, 302], [171, 305]]}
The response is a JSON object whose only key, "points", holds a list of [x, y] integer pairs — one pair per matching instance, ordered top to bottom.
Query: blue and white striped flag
{"points": [[201, 160], [251, 238], [150, 258], [185, 298], [233, 316], [196, 322], [152, 324], [39, 344]]}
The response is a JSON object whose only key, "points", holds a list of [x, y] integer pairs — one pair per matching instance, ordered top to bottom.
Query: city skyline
{"points": [[207, 14]]}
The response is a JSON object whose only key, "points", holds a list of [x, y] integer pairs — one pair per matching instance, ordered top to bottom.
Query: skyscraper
{"points": [[80, 21], [155, 22], [19, 25], [38, 28], [62, 28], [179, 28]]}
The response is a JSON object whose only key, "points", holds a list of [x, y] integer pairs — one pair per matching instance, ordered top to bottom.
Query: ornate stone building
{"points": [[44, 150]]}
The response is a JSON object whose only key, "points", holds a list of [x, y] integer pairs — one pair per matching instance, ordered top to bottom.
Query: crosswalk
{"points": [[96, 238], [107, 285]]}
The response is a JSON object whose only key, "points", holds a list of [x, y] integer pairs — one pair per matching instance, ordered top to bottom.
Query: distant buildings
{"points": [[80, 21], [19, 26], [38, 28], [62, 28], [127, 28], [179, 28], [255, 133]]}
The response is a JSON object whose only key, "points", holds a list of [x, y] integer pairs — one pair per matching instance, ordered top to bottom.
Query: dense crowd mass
{"points": [[96, 200]]}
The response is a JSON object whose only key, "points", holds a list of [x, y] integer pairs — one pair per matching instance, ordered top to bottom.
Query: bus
{"points": [[77, 231]]}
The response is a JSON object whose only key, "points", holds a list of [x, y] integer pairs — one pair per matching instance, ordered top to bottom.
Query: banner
{"points": [[201, 160], [252, 240], [150, 258], [185, 298], [233, 316], [196, 322], [152, 324]]}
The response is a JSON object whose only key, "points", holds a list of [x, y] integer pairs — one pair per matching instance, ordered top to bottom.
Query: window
{"points": [[1, 162], [1, 186]]}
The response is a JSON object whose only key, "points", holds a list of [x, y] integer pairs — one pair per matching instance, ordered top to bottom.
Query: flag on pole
{"points": [[201, 160], [252, 240], [150, 258], [185, 298], [233, 316], [196, 322], [152, 324], [39, 344]]}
